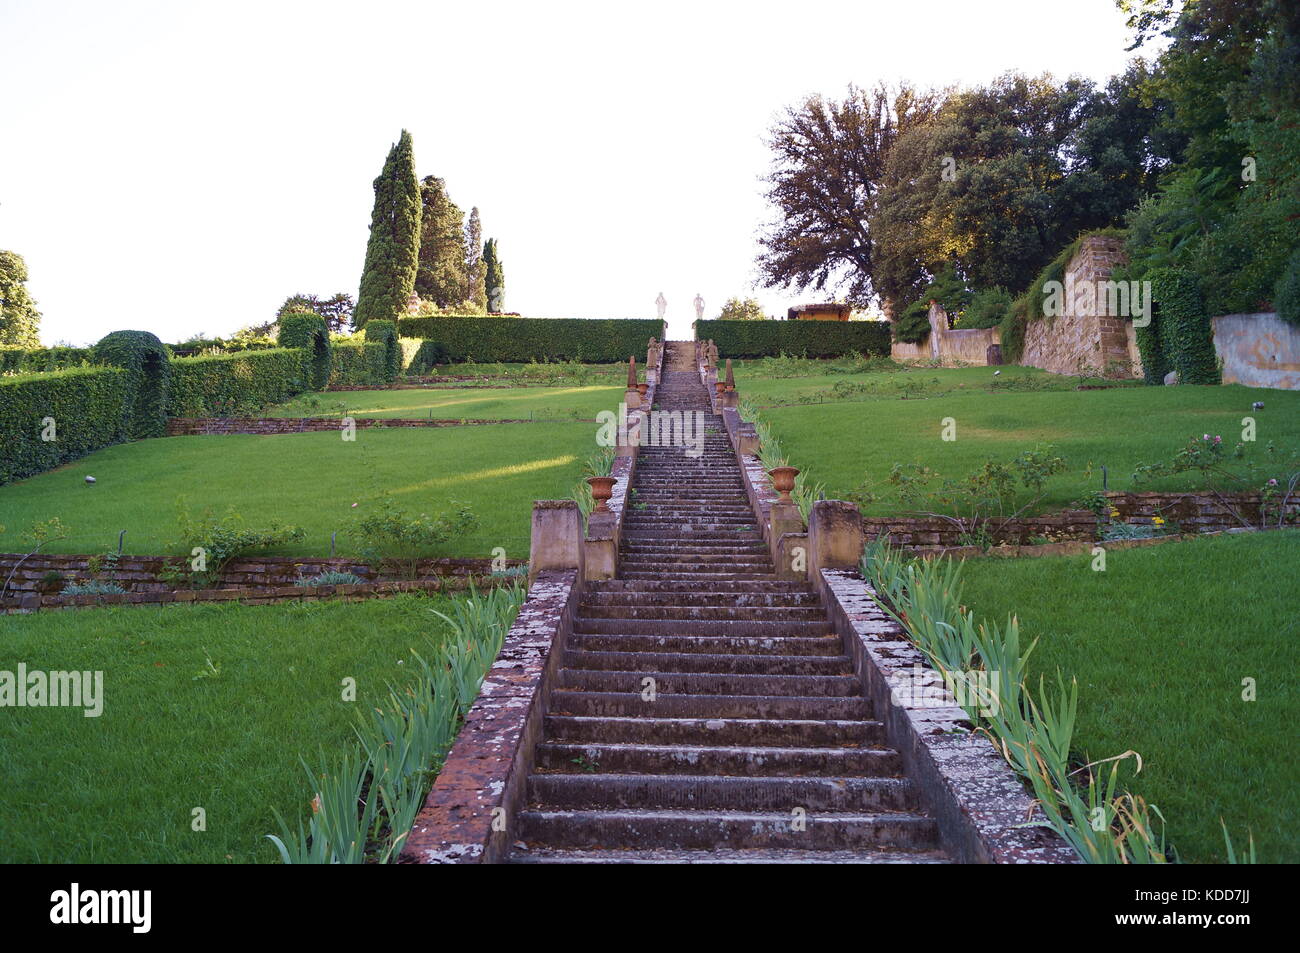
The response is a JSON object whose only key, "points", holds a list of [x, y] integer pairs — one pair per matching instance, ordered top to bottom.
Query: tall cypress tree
{"points": [[392, 255], [440, 276], [494, 277], [474, 283]]}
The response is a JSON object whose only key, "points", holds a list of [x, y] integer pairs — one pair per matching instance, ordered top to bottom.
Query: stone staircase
{"points": [[758, 745]]}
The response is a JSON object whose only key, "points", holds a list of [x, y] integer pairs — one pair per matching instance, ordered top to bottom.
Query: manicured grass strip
{"points": [[516, 403], [844, 444], [309, 480], [1160, 643], [121, 788]]}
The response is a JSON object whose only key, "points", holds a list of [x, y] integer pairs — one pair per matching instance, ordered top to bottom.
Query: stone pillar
{"points": [[632, 397], [634, 428], [747, 439], [783, 518], [835, 536], [556, 537], [600, 555], [792, 556]]}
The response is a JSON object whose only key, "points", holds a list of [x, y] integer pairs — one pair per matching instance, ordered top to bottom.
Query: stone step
{"points": [[632, 573], [709, 586], [787, 598], [723, 613], [701, 627], [707, 645], [703, 662], [708, 683], [631, 704], [745, 732], [732, 760], [656, 791], [696, 830], [725, 855]]}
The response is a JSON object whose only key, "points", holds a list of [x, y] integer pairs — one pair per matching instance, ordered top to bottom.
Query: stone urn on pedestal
{"points": [[641, 388], [719, 388], [783, 481], [602, 488]]}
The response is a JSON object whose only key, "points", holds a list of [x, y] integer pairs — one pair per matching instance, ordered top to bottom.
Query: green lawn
{"points": [[442, 401], [855, 441], [309, 480], [1160, 643], [121, 787]]}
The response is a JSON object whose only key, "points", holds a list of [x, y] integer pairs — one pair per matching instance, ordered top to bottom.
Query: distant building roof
{"points": [[826, 307]]}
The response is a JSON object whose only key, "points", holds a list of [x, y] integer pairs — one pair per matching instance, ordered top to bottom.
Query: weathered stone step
{"points": [[725, 547], [632, 573], [709, 586], [705, 597], [723, 613], [699, 627], [707, 644], [702, 662], [704, 683], [746, 732], [593, 758], [656, 791], [737, 829], [726, 855]]}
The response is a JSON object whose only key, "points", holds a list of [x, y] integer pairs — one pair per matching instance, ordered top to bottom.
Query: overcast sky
{"points": [[183, 167]]}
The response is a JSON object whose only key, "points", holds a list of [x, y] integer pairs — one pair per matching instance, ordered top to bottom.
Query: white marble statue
{"points": [[662, 304], [699, 307]]}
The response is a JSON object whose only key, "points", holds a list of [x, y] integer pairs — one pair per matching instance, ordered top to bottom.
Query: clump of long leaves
{"points": [[600, 463], [804, 494], [1033, 733], [365, 803]]}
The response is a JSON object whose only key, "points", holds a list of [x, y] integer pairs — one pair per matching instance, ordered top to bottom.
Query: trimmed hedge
{"points": [[1183, 327], [308, 332], [385, 332], [745, 339], [519, 340], [17, 360], [147, 362], [356, 363], [234, 385], [88, 406]]}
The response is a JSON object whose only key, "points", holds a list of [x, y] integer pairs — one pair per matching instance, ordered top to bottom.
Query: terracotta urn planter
{"points": [[719, 386], [642, 387], [783, 481], [602, 488]]}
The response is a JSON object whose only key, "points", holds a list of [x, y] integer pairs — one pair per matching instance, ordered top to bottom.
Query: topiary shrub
{"points": [[1286, 293], [1183, 326], [308, 332], [384, 332], [749, 339], [520, 340], [429, 354], [147, 362], [358, 363], [234, 385], [50, 419]]}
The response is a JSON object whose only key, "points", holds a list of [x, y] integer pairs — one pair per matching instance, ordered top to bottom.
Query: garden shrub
{"points": [[1286, 294], [986, 309], [913, 324], [1183, 326], [308, 332], [384, 332], [1011, 332], [750, 339], [512, 340], [429, 354], [17, 360], [147, 362], [358, 363], [233, 385], [87, 406], [221, 540], [393, 541]]}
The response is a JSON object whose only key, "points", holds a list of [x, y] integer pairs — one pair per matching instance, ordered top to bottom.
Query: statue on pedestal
{"points": [[662, 304], [699, 307]]}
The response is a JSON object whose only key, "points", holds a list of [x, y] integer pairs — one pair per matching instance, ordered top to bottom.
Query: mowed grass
{"points": [[517, 403], [855, 442], [309, 480], [1160, 644], [122, 787]]}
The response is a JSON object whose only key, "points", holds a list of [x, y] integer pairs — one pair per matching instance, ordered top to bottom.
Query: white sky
{"points": [[183, 167]]}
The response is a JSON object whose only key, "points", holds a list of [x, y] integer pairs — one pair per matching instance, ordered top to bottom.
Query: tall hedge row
{"points": [[1183, 337], [801, 338], [603, 341], [17, 360], [359, 363], [234, 385], [79, 410]]}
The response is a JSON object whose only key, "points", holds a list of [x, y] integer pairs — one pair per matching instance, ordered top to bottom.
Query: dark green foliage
{"points": [[392, 254], [440, 275], [494, 277], [1286, 294], [986, 309], [337, 311], [913, 324], [1184, 329], [308, 332], [1011, 332], [385, 333], [535, 339], [745, 339], [429, 354], [17, 360], [147, 362], [359, 363], [1155, 365], [233, 385], [87, 405]]}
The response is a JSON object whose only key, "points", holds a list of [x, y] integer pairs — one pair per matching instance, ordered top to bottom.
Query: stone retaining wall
{"points": [[140, 574]]}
